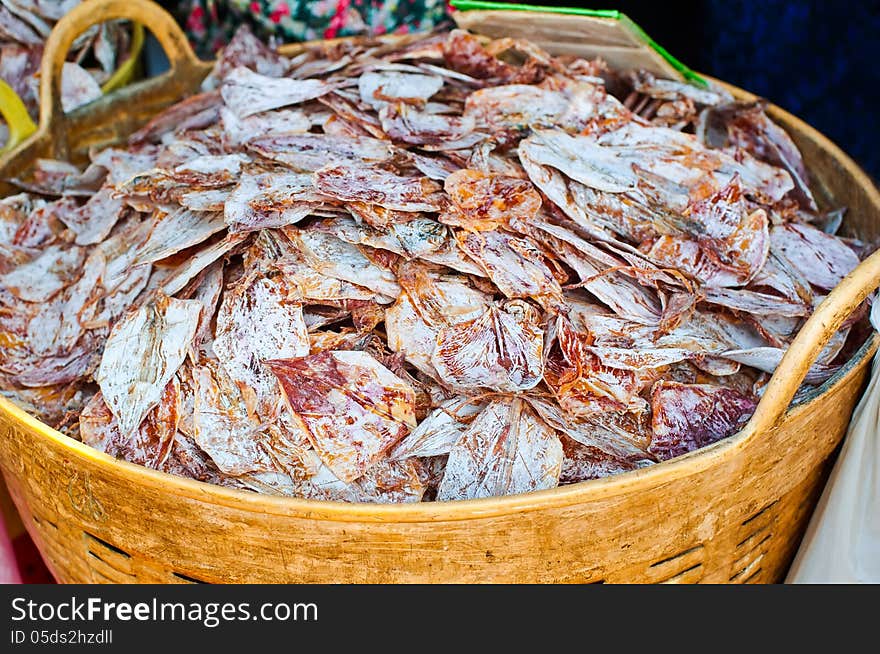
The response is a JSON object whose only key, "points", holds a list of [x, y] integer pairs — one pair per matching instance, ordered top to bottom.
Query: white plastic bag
{"points": [[842, 543]]}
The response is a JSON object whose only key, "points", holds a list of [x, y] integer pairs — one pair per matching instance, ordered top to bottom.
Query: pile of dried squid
{"points": [[440, 270]]}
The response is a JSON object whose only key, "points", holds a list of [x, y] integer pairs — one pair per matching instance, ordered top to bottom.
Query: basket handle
{"points": [[182, 59], [811, 340]]}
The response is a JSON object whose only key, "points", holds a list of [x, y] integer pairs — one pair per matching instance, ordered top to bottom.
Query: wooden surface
{"points": [[733, 512]]}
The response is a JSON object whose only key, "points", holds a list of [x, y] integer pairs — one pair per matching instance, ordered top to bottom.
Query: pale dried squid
{"points": [[399, 273]]}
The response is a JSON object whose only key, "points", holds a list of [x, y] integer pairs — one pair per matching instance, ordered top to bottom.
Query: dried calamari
{"points": [[414, 273], [142, 353]]}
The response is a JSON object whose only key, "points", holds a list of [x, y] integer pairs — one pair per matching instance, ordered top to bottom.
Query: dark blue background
{"points": [[819, 60]]}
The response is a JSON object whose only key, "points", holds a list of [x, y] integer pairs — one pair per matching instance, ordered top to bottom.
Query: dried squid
{"points": [[419, 272]]}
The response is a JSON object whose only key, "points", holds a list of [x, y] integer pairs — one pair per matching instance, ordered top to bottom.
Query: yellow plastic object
{"points": [[126, 71], [16, 116]]}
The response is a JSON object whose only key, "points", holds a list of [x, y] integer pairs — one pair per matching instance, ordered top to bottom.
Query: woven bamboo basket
{"points": [[15, 114], [733, 512]]}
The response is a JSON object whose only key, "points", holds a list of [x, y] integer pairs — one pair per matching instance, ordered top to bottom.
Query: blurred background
{"points": [[816, 58]]}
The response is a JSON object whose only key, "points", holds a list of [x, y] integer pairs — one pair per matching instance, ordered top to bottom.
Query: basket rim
{"points": [[644, 478], [561, 496]]}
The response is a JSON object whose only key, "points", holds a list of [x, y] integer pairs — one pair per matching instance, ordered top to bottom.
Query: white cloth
{"points": [[842, 542]]}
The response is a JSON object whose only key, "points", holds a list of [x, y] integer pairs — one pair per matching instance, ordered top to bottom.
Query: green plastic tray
{"points": [[610, 14]]}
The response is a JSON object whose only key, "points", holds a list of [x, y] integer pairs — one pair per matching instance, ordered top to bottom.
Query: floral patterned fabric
{"points": [[210, 23]]}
